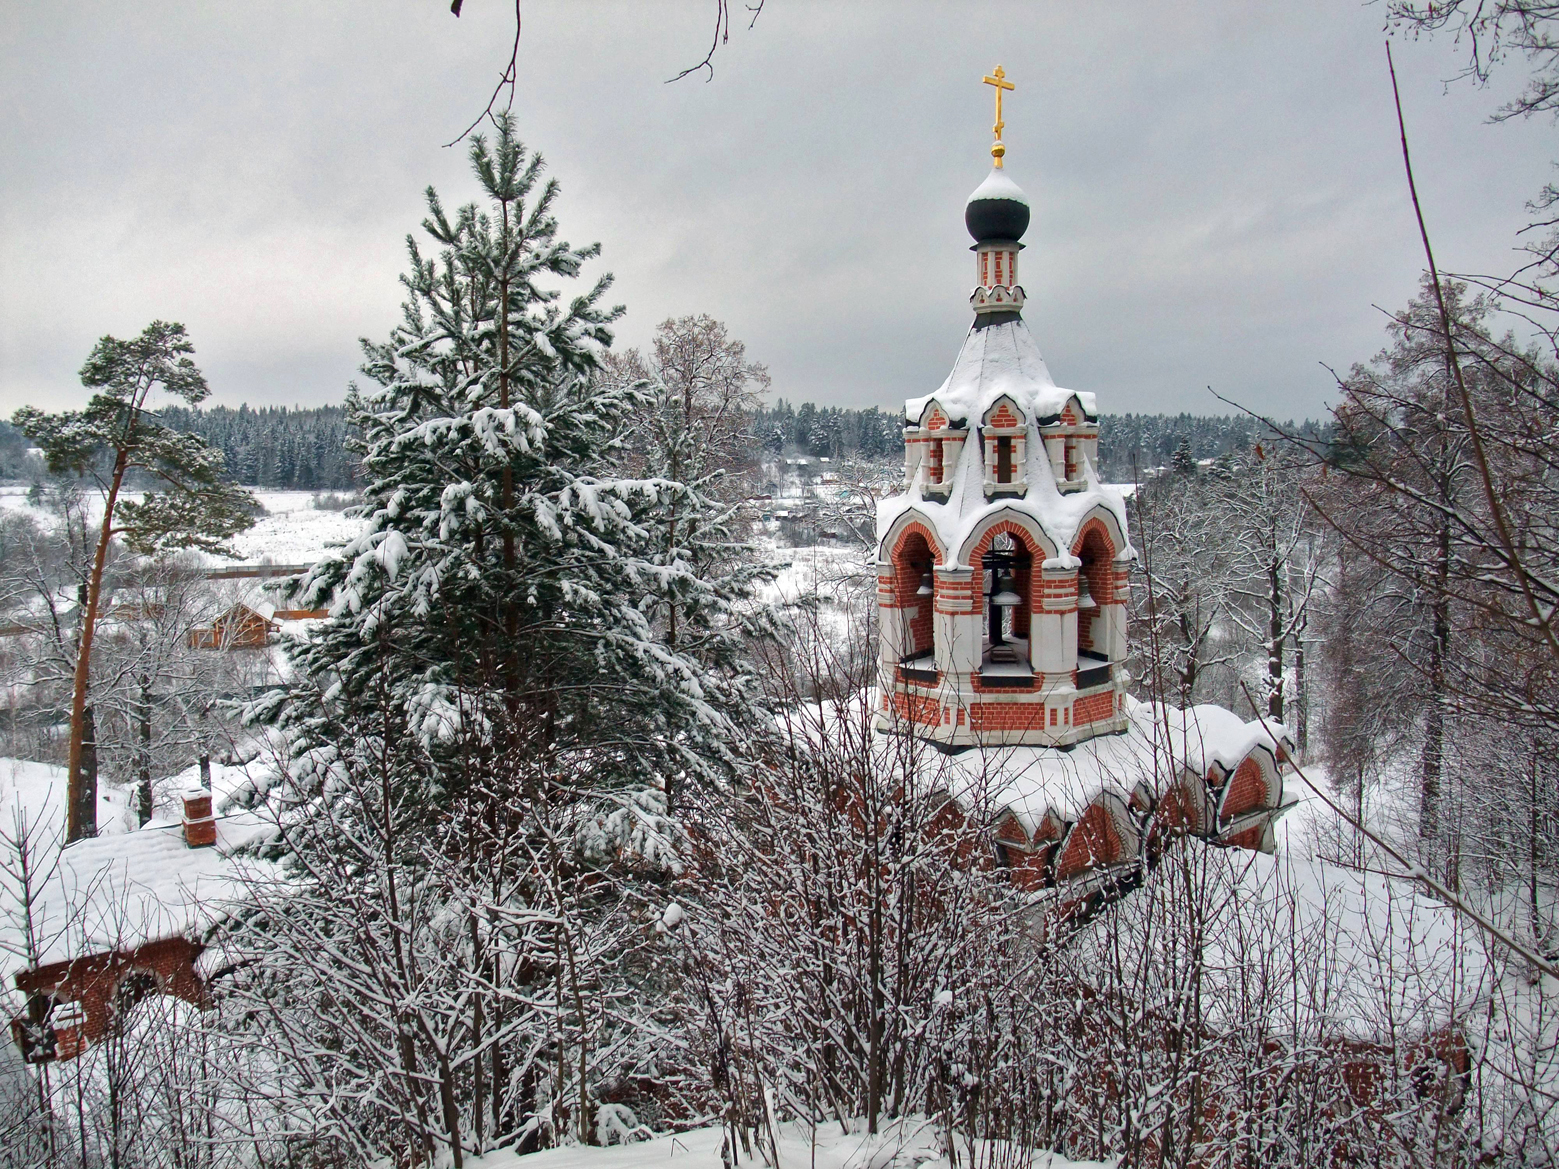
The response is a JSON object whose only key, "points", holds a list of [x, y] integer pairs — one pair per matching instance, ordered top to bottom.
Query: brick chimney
{"points": [[200, 829]]}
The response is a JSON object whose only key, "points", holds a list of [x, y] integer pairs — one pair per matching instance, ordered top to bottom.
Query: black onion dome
{"points": [[998, 209]]}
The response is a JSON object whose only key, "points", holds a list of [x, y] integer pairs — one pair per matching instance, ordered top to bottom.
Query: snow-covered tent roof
{"points": [[997, 359]]}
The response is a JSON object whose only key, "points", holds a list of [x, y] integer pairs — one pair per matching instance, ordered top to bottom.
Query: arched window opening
{"points": [[934, 465], [914, 589], [1095, 589], [1004, 658]]}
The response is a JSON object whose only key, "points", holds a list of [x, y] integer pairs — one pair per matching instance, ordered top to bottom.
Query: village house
{"points": [[121, 917]]}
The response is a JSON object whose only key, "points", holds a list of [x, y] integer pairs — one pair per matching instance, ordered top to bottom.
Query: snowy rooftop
{"points": [[1000, 359], [966, 508], [1028, 781], [117, 890], [1317, 942]]}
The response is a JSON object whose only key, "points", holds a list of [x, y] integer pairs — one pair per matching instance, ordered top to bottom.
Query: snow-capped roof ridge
{"points": [[995, 360]]}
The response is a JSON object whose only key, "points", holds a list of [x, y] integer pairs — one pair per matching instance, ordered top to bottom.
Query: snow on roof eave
{"points": [[1058, 516]]}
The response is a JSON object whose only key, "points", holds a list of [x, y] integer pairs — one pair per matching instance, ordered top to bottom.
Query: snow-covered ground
{"points": [[292, 530], [912, 1145]]}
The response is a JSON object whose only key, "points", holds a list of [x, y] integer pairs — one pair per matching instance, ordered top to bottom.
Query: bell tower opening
{"points": [[1004, 459], [1006, 567], [913, 586], [1095, 590]]}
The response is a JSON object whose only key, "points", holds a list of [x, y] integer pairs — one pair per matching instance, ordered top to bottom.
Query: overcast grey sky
{"points": [[1218, 197]]}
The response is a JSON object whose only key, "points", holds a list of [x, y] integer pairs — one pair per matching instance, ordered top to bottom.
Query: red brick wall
{"points": [[958, 596], [918, 708], [1093, 708], [1006, 716], [1247, 791], [1009, 831], [1248, 838], [1093, 841], [1029, 869], [92, 982]]}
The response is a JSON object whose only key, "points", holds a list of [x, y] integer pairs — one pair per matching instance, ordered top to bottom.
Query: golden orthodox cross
{"points": [[1000, 82]]}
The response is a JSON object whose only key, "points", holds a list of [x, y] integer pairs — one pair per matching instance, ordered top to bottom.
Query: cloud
{"points": [[1218, 197]]}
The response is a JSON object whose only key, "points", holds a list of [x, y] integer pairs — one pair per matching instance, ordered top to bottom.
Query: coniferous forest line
{"points": [[307, 448]]}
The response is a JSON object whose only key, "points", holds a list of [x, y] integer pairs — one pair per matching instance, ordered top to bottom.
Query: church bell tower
{"points": [[1002, 566]]}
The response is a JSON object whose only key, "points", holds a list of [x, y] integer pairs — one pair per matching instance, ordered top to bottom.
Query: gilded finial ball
{"points": [[998, 150]]}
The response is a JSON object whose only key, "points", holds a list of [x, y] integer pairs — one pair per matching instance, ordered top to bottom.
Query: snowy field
{"points": [[292, 530]]}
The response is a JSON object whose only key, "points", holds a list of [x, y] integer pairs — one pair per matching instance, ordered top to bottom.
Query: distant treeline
{"points": [[1149, 439], [297, 449], [305, 449]]}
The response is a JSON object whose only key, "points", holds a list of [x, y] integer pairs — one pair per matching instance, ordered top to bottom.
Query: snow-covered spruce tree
{"points": [[503, 558], [483, 733]]}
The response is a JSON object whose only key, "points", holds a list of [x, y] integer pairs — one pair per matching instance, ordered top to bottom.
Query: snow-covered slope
{"points": [[911, 1145]]}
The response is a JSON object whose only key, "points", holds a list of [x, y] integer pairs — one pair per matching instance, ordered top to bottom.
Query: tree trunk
{"points": [[1275, 640], [1301, 692], [1433, 761], [144, 762], [85, 785], [81, 791], [1539, 934]]}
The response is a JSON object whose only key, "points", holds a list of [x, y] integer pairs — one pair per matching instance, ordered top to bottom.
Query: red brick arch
{"points": [[1003, 412], [934, 416], [910, 523], [1040, 546], [1096, 546], [915, 552], [1248, 790], [1095, 840]]}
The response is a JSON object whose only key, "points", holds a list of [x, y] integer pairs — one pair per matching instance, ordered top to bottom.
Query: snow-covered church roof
{"points": [[996, 359], [966, 509], [1028, 782]]}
